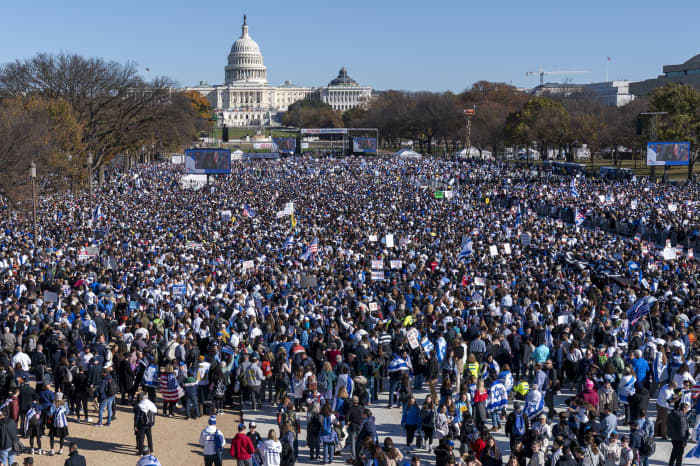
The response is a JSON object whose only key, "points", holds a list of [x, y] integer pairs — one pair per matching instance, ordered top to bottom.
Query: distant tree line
{"points": [[506, 117]]}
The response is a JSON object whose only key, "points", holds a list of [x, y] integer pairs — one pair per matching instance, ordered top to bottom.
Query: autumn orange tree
{"points": [[44, 131]]}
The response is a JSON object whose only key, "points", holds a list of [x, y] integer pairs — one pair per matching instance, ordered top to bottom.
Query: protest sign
{"points": [[372, 238], [389, 239], [506, 248], [493, 250], [377, 264], [395, 264], [248, 265], [377, 275], [309, 281], [179, 290], [50, 296]]}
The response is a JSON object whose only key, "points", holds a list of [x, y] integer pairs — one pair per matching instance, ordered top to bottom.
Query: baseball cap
{"points": [[252, 424]]}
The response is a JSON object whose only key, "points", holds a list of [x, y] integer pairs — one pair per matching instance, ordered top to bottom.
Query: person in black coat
{"points": [[127, 377], [82, 393], [26, 396], [639, 401], [8, 431], [74, 458]]}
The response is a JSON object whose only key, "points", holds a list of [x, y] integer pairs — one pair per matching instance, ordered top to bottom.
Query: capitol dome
{"points": [[245, 62]]}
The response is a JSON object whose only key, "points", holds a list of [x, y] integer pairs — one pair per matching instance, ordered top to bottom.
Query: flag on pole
{"points": [[572, 186], [97, 214], [289, 242], [313, 247], [467, 248], [641, 308]]}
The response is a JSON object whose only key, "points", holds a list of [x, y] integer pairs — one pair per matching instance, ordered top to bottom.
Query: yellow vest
{"points": [[473, 368], [522, 388]]}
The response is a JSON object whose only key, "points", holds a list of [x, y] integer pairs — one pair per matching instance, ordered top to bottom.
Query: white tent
{"points": [[408, 154], [473, 154], [236, 155]]}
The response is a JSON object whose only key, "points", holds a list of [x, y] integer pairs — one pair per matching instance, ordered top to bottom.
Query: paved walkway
{"points": [[388, 423]]}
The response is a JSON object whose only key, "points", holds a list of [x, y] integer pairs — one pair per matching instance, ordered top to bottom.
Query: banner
{"points": [[324, 131], [439, 194], [226, 215], [88, 252], [377, 264], [395, 264], [377, 275], [179, 290]]}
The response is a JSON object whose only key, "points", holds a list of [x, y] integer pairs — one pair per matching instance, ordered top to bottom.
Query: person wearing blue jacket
{"points": [[410, 420]]}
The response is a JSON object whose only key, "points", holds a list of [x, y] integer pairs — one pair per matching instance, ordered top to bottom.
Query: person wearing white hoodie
{"points": [[144, 419], [213, 441], [271, 449]]}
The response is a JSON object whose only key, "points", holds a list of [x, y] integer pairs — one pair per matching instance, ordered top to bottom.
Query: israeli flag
{"points": [[572, 187], [97, 214], [289, 242], [467, 248], [641, 308], [427, 345], [441, 348], [398, 364]]}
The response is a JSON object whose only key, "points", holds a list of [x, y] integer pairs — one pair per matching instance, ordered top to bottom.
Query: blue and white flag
{"points": [[572, 186], [97, 214], [579, 218], [289, 242], [467, 248], [641, 308], [427, 345], [441, 348], [398, 364]]}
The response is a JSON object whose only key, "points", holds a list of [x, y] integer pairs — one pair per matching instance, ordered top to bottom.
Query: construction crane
{"points": [[542, 72]]}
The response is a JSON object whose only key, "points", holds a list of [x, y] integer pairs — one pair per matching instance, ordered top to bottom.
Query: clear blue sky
{"points": [[413, 45]]}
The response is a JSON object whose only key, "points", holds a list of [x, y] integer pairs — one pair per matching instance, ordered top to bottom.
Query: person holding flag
{"points": [[399, 365]]}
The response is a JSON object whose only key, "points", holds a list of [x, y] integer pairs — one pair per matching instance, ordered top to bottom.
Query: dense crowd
{"points": [[370, 282]]}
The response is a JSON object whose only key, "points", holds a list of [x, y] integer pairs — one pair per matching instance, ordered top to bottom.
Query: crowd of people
{"points": [[319, 285]]}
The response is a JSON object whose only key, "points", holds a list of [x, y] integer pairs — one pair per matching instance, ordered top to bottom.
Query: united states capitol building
{"points": [[246, 98]]}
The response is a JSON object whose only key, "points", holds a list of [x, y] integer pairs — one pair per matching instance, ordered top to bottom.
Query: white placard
{"points": [[633, 204], [672, 207], [281, 214], [372, 238], [389, 240], [506, 248], [493, 250], [669, 254], [691, 254], [377, 264], [395, 264], [248, 265], [377, 275], [479, 281], [373, 307]]}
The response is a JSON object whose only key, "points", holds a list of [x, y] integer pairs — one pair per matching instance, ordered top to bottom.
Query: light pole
{"points": [[89, 168], [32, 175]]}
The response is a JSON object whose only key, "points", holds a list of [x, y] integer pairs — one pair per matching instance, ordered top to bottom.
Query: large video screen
{"points": [[284, 145], [364, 145], [668, 153], [207, 161]]}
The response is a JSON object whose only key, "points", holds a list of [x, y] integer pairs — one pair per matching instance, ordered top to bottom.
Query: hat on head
{"points": [[589, 383], [59, 396], [212, 420], [251, 424], [241, 426]]}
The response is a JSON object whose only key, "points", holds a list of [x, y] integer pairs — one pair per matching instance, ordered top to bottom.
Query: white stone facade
{"points": [[246, 99]]}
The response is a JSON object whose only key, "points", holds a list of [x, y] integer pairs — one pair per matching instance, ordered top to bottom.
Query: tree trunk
{"points": [[101, 175]]}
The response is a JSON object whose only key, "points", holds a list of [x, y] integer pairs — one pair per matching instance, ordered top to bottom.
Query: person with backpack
{"points": [[254, 378], [217, 382], [106, 391], [144, 420], [517, 424], [58, 425], [33, 428], [313, 431], [328, 435], [213, 441]]}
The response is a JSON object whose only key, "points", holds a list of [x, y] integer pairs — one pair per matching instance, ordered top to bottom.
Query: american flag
{"points": [[580, 218], [313, 247]]}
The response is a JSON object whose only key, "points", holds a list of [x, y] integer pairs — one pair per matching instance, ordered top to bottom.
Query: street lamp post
{"points": [[32, 175]]}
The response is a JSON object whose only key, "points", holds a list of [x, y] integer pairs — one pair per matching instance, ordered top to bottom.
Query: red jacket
{"points": [[242, 447]]}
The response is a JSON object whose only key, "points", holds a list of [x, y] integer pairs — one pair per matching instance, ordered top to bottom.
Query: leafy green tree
{"points": [[682, 103]]}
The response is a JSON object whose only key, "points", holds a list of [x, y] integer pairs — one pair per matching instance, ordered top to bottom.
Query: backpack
{"points": [[459, 352], [266, 368], [67, 375], [322, 382], [112, 387], [220, 389], [145, 419], [314, 424], [519, 425], [327, 426], [648, 447], [287, 456]]}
